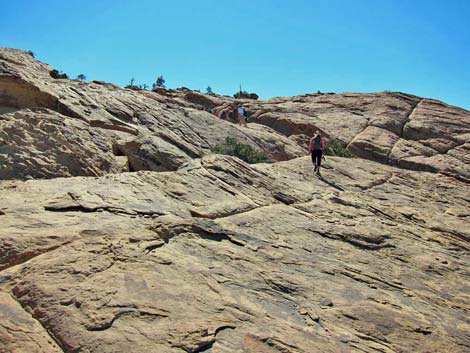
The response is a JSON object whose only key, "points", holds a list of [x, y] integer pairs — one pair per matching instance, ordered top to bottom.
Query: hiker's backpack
{"points": [[317, 142]]}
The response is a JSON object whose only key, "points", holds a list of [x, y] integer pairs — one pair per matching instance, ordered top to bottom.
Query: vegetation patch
{"points": [[56, 74], [246, 95], [337, 148], [245, 152]]}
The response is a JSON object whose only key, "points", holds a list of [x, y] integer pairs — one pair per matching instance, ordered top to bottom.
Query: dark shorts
{"points": [[316, 157]]}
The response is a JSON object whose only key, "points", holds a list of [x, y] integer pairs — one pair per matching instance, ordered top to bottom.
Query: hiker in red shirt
{"points": [[316, 148]]}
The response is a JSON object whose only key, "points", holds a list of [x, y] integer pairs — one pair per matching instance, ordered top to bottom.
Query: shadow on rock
{"points": [[330, 183]]}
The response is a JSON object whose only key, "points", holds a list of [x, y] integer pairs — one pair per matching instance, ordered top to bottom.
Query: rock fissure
{"points": [[408, 118], [122, 127], [402, 130], [178, 144], [377, 182], [101, 208], [204, 229], [362, 243], [27, 256], [362, 277], [106, 325], [47, 331], [207, 344]]}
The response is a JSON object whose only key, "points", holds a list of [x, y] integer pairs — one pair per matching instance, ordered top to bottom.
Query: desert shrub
{"points": [[30, 52], [56, 74], [81, 77], [159, 83], [133, 86], [246, 95], [337, 148], [245, 152]]}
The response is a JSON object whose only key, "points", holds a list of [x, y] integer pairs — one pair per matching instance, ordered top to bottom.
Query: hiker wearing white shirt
{"points": [[241, 115]]}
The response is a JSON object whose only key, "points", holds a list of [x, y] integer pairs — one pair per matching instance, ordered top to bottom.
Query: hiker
{"points": [[242, 115], [316, 148]]}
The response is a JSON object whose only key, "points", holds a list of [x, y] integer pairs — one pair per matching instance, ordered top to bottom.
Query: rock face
{"points": [[175, 124], [394, 128], [46, 144], [134, 238], [221, 256]]}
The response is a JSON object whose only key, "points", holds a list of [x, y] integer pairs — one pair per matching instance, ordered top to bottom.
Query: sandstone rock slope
{"points": [[137, 123], [394, 128], [120, 232]]}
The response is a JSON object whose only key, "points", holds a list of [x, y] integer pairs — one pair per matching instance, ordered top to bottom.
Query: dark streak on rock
{"points": [[115, 210], [131, 312], [206, 346], [63, 347]]}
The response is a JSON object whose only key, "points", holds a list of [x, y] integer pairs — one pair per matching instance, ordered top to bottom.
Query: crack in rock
{"points": [[73, 203], [204, 229], [29, 255], [131, 312], [48, 332], [206, 345]]}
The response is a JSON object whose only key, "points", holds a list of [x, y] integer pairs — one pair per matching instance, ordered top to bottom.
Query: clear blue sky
{"points": [[272, 47]]}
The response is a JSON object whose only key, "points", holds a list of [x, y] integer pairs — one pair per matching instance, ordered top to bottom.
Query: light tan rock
{"points": [[181, 117], [372, 123], [173, 124], [374, 142], [43, 144], [153, 153], [210, 254], [226, 257], [20, 332]]}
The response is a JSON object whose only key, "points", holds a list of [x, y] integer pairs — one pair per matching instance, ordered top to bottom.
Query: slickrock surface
{"points": [[175, 125], [395, 128], [155, 131], [47, 144], [120, 232], [221, 256]]}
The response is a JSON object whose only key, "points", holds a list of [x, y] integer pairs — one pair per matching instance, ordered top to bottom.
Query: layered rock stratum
{"points": [[121, 232]]}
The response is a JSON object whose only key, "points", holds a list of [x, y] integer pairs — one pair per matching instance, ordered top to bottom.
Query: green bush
{"points": [[56, 74], [81, 77], [159, 83], [246, 95], [336, 148], [243, 151]]}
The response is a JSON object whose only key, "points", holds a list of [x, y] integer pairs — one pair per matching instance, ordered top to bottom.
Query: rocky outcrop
{"points": [[175, 123], [390, 127], [393, 128], [41, 143], [154, 153], [135, 238], [221, 256]]}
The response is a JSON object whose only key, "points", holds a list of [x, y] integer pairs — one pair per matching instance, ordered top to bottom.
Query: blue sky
{"points": [[272, 47]]}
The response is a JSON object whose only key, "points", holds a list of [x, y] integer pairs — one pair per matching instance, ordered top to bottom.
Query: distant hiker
{"points": [[242, 115], [316, 148]]}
